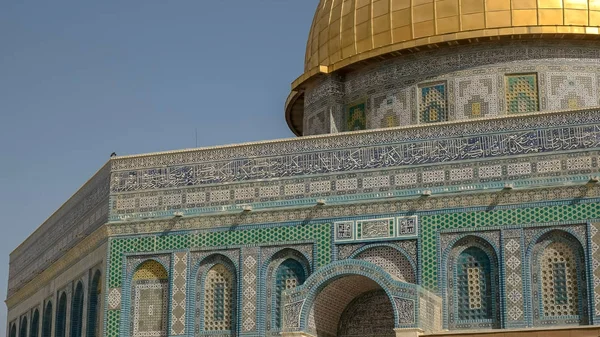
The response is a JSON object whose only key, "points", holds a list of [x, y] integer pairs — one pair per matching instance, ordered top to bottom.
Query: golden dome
{"points": [[348, 31]]}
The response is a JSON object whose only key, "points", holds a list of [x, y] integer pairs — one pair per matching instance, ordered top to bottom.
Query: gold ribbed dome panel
{"points": [[347, 31]]}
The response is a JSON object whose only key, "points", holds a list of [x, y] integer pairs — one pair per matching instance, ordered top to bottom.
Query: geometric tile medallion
{"points": [[521, 93], [433, 103], [356, 117]]}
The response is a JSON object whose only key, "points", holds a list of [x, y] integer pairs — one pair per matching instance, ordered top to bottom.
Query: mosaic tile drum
{"points": [[445, 181]]}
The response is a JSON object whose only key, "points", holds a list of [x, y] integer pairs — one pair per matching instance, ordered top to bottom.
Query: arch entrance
{"points": [[351, 298], [352, 306]]}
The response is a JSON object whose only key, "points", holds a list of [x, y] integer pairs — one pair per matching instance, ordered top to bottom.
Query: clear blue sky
{"points": [[81, 79]]}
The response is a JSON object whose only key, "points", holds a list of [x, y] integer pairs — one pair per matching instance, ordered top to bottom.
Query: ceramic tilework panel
{"points": [[474, 67], [324, 90], [574, 90], [522, 93], [476, 96], [433, 103], [327, 108], [391, 109], [356, 118], [317, 123], [338, 156], [128, 173], [394, 174], [501, 217], [520, 219], [375, 229], [320, 233], [409, 247], [595, 256], [279, 259], [390, 260], [558, 270], [289, 275], [470, 281], [558, 281], [513, 282], [474, 286], [150, 288], [249, 288], [210, 291], [178, 293], [114, 299], [219, 299], [150, 301], [369, 315], [113, 319]]}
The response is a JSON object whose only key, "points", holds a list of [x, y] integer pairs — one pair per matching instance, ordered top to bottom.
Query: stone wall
{"points": [[76, 219]]}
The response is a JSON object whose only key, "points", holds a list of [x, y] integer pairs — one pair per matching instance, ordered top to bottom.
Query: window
{"points": [[558, 271], [290, 274], [558, 281], [470, 286], [474, 289], [150, 290], [219, 299], [77, 311], [61, 316], [47, 321], [93, 322], [35, 324], [23, 330]]}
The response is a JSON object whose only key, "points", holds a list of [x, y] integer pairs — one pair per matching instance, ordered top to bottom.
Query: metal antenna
{"points": [[196, 136]]}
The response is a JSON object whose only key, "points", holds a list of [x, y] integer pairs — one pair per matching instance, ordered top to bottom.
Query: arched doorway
{"points": [[351, 298], [352, 306]]}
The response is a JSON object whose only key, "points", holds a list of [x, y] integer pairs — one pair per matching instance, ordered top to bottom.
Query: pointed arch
{"points": [[287, 269], [558, 279], [472, 284], [150, 298], [216, 301], [77, 311], [61, 316], [93, 320], [47, 321], [23, 327], [13, 330], [34, 330]]}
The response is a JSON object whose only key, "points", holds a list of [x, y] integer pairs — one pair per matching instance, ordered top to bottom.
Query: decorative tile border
{"points": [[368, 138], [394, 155], [533, 170], [375, 229], [250, 263], [179, 293]]}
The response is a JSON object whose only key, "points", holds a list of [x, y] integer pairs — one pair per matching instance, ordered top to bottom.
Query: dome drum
{"points": [[350, 38], [481, 80]]}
